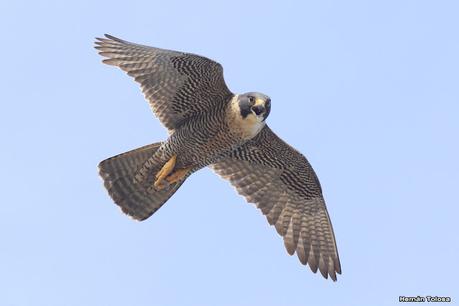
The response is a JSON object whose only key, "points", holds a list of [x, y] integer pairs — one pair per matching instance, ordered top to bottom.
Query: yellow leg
{"points": [[164, 172], [177, 175]]}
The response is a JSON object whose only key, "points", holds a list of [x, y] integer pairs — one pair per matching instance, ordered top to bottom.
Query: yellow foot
{"points": [[164, 172], [177, 175]]}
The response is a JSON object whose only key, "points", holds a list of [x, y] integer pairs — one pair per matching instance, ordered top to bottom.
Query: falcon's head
{"points": [[254, 104], [249, 112]]}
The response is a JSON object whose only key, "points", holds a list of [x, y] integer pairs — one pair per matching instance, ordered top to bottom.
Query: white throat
{"points": [[247, 127]]}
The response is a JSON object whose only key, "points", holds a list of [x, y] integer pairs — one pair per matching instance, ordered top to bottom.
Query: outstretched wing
{"points": [[177, 85], [283, 185]]}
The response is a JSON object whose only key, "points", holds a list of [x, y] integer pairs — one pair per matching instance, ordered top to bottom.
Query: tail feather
{"points": [[135, 199]]}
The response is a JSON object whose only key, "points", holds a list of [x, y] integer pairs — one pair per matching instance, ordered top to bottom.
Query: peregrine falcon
{"points": [[209, 126]]}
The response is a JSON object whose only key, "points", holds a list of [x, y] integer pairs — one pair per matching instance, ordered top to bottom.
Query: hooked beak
{"points": [[262, 106]]}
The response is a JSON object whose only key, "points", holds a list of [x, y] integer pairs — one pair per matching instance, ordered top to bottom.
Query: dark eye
{"points": [[251, 99]]}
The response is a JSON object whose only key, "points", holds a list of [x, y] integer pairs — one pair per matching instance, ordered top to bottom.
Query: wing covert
{"points": [[177, 85], [283, 185]]}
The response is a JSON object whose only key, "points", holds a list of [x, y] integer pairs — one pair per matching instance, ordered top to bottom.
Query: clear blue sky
{"points": [[367, 90]]}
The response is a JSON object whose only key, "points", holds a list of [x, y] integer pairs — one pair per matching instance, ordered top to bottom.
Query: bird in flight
{"points": [[209, 126]]}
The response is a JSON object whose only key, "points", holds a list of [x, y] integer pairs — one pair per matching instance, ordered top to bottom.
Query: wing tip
{"points": [[108, 38], [114, 38], [329, 267], [332, 269]]}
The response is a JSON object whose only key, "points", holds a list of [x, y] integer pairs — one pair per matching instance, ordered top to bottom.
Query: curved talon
{"points": [[164, 172], [177, 175], [160, 185]]}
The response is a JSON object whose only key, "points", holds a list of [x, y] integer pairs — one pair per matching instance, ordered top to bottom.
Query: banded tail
{"points": [[138, 200]]}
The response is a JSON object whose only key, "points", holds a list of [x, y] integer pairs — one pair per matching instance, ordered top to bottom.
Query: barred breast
{"points": [[210, 136]]}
